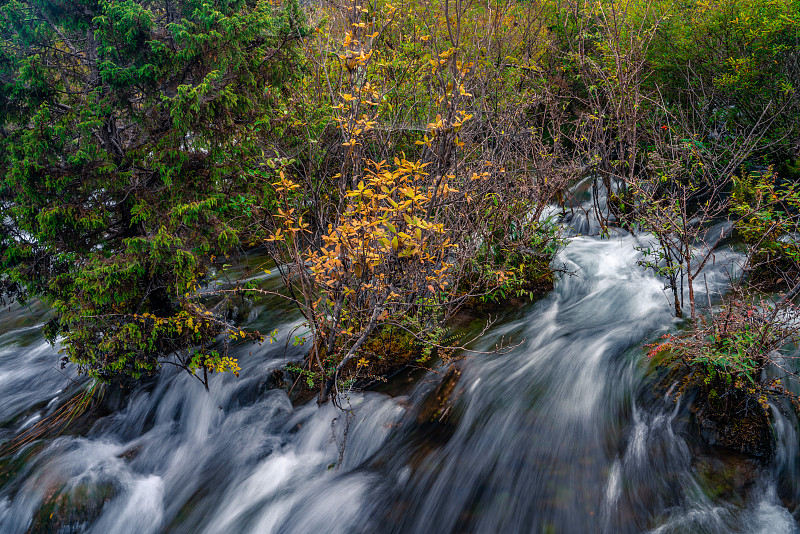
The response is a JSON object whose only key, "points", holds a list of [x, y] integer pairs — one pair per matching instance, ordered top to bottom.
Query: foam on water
{"points": [[550, 437]]}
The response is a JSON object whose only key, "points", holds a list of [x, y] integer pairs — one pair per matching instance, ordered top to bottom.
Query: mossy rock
{"points": [[389, 349], [438, 404], [724, 414], [750, 433], [12, 464], [726, 475], [72, 510]]}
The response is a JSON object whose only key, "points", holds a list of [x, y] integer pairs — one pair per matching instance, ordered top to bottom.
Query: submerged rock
{"points": [[438, 404], [750, 434], [726, 475], [72, 510]]}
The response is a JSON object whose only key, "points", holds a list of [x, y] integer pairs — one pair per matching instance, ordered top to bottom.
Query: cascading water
{"points": [[561, 435]]}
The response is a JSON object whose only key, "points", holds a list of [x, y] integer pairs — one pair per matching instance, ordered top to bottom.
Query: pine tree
{"points": [[127, 131]]}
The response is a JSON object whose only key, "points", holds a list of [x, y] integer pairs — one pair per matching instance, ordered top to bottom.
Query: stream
{"points": [[564, 434]]}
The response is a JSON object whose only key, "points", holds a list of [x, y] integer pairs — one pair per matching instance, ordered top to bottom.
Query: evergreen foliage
{"points": [[128, 129]]}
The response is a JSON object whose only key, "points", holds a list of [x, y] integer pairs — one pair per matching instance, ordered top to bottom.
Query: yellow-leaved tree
{"points": [[424, 184], [382, 263]]}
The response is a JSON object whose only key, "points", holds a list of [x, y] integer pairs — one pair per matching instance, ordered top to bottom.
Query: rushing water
{"points": [[561, 435]]}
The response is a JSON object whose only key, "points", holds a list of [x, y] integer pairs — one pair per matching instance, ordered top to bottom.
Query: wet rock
{"points": [[240, 310], [277, 379], [437, 407], [750, 434], [131, 453], [725, 474], [71, 511]]}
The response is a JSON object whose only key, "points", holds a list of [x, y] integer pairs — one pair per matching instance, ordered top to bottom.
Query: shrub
{"points": [[736, 362]]}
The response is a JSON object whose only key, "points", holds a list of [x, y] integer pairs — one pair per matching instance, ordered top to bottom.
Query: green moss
{"points": [[736, 420], [726, 476], [65, 510]]}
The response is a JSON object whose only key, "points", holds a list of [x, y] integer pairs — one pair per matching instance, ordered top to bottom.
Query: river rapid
{"points": [[564, 434]]}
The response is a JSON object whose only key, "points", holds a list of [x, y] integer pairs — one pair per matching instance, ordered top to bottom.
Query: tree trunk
{"points": [[690, 281], [674, 285]]}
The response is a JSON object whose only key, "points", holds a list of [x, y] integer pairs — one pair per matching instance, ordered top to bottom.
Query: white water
{"points": [[560, 435]]}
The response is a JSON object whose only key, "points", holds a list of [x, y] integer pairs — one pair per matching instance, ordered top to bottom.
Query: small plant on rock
{"points": [[737, 361]]}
